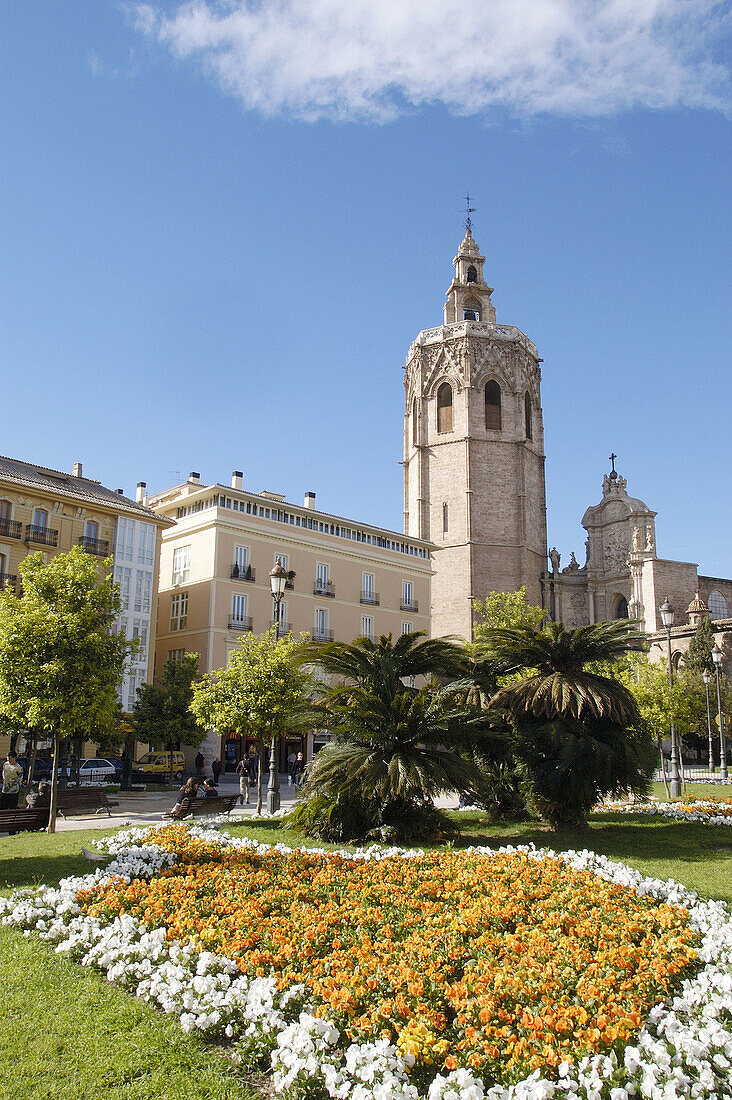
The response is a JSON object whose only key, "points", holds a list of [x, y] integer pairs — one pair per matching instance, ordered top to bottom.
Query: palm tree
{"points": [[576, 730], [392, 750]]}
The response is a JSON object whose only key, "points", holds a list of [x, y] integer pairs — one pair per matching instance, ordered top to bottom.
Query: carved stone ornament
{"points": [[636, 538], [650, 545], [616, 553], [554, 558], [573, 566], [578, 601]]}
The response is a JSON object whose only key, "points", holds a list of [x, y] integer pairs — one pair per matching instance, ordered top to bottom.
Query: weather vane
{"points": [[468, 211]]}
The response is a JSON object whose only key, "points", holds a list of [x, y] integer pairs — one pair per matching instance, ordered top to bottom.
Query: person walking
{"points": [[198, 764], [216, 769], [299, 769], [242, 770], [12, 777]]}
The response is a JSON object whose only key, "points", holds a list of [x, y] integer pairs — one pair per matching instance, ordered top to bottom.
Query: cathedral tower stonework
{"points": [[474, 451]]}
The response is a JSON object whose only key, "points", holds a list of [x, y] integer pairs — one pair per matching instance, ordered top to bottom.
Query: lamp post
{"points": [[277, 580], [667, 618], [717, 657], [706, 677]]}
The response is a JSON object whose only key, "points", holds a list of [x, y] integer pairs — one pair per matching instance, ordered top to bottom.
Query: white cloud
{"points": [[374, 59]]}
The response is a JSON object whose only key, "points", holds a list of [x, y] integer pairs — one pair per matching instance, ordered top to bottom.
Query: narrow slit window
{"points": [[493, 406], [444, 408], [528, 416]]}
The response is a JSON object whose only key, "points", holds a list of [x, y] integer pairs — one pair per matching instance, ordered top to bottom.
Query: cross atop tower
{"points": [[468, 211], [612, 460]]}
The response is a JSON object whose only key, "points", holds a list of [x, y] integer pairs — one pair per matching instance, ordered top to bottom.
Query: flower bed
{"points": [[709, 811], [500, 974]]}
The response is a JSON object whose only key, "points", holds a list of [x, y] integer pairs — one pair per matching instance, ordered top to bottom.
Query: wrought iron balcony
{"points": [[11, 528], [42, 536], [94, 546], [247, 574], [8, 580], [324, 588], [371, 598], [409, 605], [244, 623], [285, 628], [321, 635]]}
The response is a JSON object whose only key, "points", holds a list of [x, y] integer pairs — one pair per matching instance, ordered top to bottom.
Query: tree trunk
{"points": [[260, 757], [31, 758], [663, 767], [51, 828]]}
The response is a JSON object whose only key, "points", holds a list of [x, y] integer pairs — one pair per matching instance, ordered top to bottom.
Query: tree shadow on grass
{"points": [[35, 870]]}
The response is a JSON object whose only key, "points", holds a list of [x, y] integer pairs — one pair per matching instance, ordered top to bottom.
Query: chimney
{"points": [[76, 472], [194, 477], [236, 479], [120, 492], [140, 494], [309, 500]]}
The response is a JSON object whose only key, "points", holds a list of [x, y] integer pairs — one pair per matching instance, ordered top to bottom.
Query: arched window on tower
{"points": [[472, 275], [471, 310], [493, 406], [444, 408], [528, 416], [414, 422], [717, 605], [621, 608]]}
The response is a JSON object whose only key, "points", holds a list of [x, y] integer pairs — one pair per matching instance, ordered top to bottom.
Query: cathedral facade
{"points": [[474, 451]]}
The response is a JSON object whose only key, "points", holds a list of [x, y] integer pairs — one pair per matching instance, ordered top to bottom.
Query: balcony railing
{"points": [[11, 528], [43, 536], [94, 546], [246, 574], [8, 580], [324, 588], [371, 598], [409, 605], [244, 623], [285, 628], [321, 635]]}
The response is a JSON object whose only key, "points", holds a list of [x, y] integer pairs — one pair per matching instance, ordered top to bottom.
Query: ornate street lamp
{"points": [[277, 580], [667, 618], [717, 657], [706, 677]]}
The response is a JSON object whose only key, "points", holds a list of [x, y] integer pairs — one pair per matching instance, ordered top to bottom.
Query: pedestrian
{"points": [[198, 764], [216, 769], [291, 769], [299, 769], [242, 770], [12, 777]]}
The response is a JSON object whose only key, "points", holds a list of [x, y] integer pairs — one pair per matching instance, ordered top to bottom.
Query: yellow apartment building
{"points": [[50, 511], [347, 579]]}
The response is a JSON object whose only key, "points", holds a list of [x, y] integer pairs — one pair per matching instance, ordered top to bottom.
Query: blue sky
{"points": [[223, 224]]}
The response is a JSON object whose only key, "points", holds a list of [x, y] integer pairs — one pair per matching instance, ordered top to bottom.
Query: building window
{"points": [[472, 275], [471, 311], [493, 406], [444, 408], [527, 417], [414, 422], [4, 509], [40, 518], [445, 519], [91, 530], [125, 539], [146, 544], [282, 559], [241, 562], [181, 564], [123, 577], [323, 586], [368, 587], [143, 592], [408, 601], [717, 605], [238, 607], [621, 608], [179, 611], [284, 622], [321, 625], [367, 627], [407, 628], [139, 630], [176, 654], [131, 691]]}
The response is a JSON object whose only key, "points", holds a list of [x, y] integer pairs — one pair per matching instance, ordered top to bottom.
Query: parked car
{"points": [[156, 765], [41, 767], [93, 772]]}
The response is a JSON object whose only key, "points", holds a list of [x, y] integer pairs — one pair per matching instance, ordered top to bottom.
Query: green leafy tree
{"points": [[506, 611], [699, 654], [61, 660], [262, 693], [162, 713], [576, 731], [395, 745]]}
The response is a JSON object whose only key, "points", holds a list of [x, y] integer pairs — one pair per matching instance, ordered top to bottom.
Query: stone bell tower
{"points": [[474, 451]]}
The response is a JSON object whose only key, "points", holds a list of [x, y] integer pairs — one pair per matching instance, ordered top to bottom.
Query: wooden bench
{"points": [[84, 801], [205, 807], [22, 820]]}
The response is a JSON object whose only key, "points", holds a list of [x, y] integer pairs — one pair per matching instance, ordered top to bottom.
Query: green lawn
{"points": [[694, 790], [73, 1036]]}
